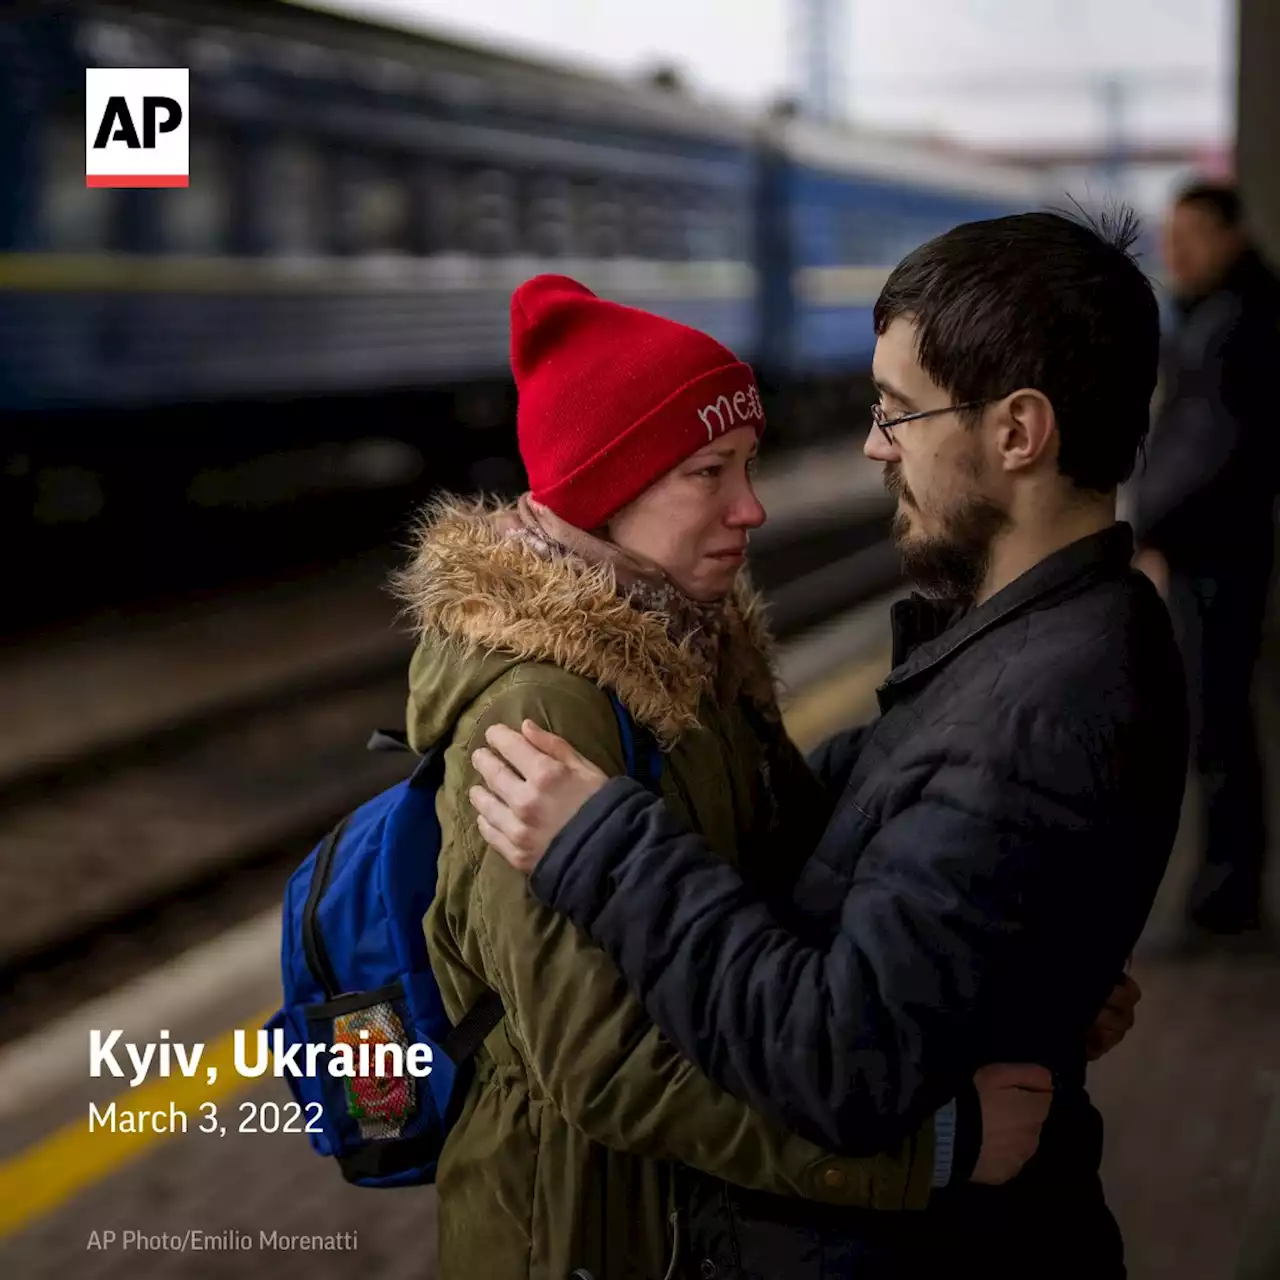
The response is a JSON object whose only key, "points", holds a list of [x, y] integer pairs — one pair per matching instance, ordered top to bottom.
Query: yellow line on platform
{"points": [[843, 699], [70, 1159], [39, 1179]]}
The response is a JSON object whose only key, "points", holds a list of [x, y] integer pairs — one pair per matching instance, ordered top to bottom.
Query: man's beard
{"points": [[951, 565]]}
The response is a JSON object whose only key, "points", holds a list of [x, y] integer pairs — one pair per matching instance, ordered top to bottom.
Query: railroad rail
{"points": [[184, 800]]}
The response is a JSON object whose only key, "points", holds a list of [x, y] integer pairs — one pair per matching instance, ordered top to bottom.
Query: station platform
{"points": [[110, 677], [1186, 1098]]}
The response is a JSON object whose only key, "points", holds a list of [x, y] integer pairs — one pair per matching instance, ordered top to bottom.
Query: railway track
{"points": [[817, 570], [148, 833]]}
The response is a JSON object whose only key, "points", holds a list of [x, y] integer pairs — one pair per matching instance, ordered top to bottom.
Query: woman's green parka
{"points": [[564, 1153]]}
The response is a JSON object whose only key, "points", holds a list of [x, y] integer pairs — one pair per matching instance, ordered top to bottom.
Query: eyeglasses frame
{"points": [[887, 425]]}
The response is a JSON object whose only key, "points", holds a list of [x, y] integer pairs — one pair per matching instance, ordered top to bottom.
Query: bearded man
{"points": [[993, 841]]}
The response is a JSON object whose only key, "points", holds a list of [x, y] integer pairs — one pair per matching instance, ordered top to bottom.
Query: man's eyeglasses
{"points": [[887, 424]]}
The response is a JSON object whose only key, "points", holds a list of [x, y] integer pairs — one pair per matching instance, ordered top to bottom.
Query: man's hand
{"points": [[1149, 561], [534, 783], [1115, 1020], [1015, 1103]]}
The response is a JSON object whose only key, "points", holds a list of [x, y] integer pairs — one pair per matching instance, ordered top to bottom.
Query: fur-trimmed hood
{"points": [[483, 601]]}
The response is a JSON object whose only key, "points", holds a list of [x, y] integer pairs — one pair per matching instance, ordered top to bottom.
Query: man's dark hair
{"points": [[1220, 198], [1047, 301]]}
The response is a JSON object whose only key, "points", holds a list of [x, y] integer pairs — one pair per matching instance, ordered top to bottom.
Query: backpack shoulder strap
{"points": [[639, 746], [644, 763], [473, 1029], [463, 1041]]}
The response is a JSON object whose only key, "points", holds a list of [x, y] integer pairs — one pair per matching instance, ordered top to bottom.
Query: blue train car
{"points": [[362, 202], [838, 210], [325, 308]]}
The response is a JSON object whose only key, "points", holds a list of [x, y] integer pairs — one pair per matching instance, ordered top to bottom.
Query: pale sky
{"points": [[1027, 68]]}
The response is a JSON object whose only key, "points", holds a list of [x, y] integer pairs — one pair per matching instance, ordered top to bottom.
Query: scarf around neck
{"points": [[640, 581]]}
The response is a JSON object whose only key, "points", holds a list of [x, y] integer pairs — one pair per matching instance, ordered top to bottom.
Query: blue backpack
{"points": [[356, 971]]}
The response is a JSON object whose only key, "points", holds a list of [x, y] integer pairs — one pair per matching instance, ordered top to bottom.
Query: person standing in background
{"points": [[1202, 518]]}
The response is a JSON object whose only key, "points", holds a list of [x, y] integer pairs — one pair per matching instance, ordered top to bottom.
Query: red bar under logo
{"points": [[137, 180]]}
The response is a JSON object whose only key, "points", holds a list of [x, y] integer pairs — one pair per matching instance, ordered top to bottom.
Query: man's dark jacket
{"points": [[1204, 497], [988, 867]]}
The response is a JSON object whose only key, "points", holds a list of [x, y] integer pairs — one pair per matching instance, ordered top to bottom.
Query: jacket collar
{"points": [[474, 586], [928, 632]]}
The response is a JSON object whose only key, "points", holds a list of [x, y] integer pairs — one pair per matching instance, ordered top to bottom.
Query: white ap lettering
{"points": [[744, 407]]}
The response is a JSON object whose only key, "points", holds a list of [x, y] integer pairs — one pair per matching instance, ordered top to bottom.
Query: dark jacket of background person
{"points": [[1204, 496], [1205, 501], [988, 867]]}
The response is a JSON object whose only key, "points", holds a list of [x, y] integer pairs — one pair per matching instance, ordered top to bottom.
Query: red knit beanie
{"points": [[611, 398]]}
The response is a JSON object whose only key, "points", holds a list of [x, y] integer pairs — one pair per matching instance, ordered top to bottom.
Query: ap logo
{"points": [[137, 127]]}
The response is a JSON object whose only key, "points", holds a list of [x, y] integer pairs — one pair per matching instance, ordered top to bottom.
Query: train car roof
{"points": [[314, 37], [900, 159]]}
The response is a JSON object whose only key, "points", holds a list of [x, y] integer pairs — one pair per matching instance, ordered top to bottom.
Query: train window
{"points": [[112, 44], [212, 52], [302, 59], [387, 75], [293, 199], [442, 209], [377, 210], [491, 213], [738, 216], [73, 218], [197, 219], [548, 220], [599, 220], [650, 224], [676, 224], [681, 225], [698, 227], [713, 228], [661, 229], [856, 236], [874, 238]]}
